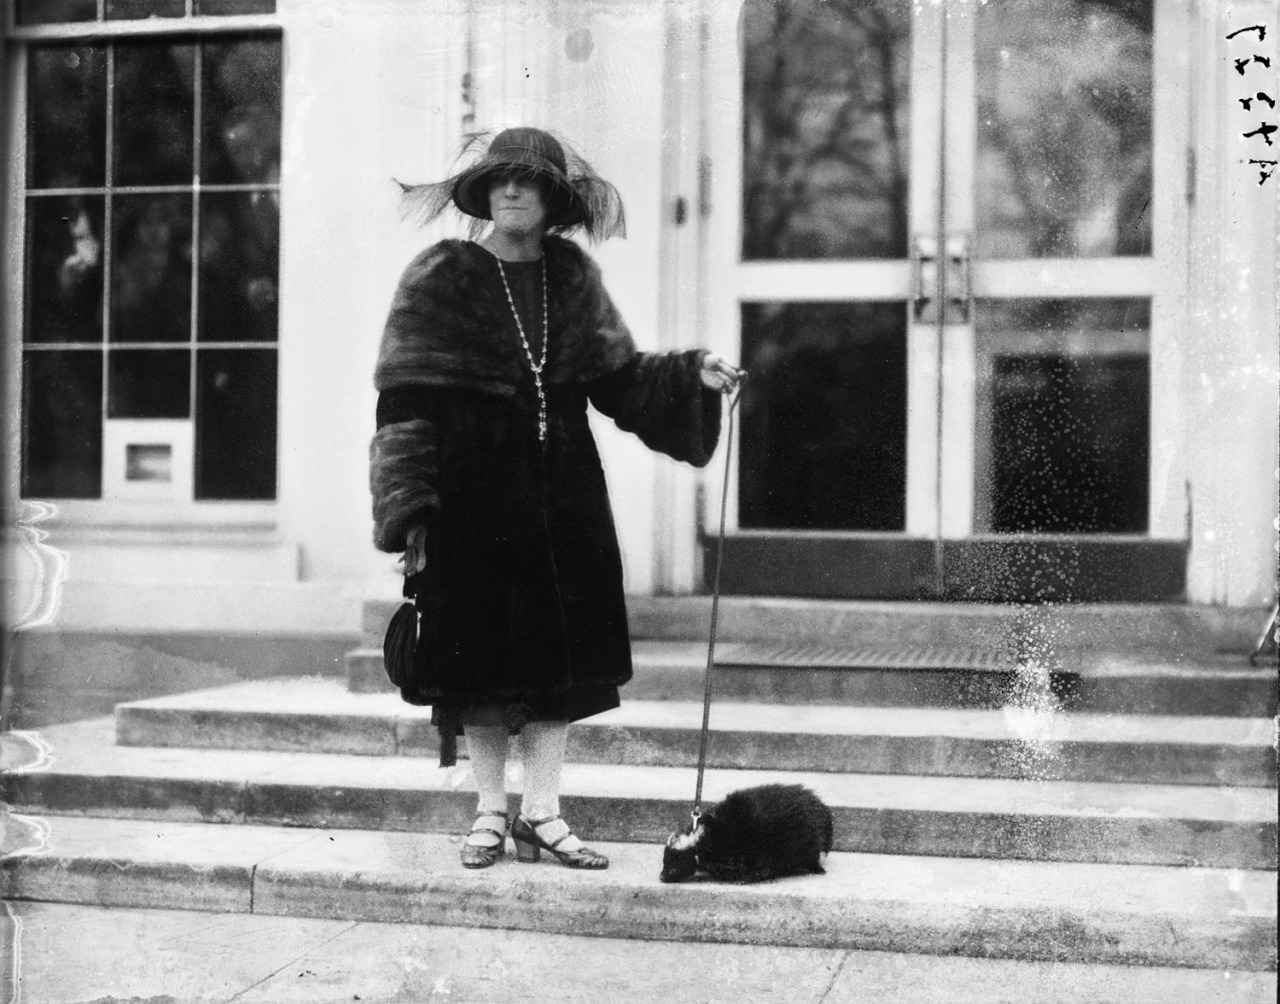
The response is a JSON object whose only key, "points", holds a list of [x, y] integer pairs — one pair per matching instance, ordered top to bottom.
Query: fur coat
{"points": [[522, 595]]}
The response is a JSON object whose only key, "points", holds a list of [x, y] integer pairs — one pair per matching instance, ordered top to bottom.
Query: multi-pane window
{"points": [[73, 11], [151, 257]]}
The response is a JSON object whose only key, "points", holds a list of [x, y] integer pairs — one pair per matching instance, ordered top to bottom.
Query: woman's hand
{"points": [[718, 374], [415, 550]]}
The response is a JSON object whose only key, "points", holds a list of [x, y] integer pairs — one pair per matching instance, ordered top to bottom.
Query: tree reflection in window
{"points": [[121, 10], [55, 11], [65, 11], [825, 106], [67, 111], [241, 112], [154, 113], [1064, 128], [135, 218], [239, 265], [64, 269], [151, 269], [824, 418]]}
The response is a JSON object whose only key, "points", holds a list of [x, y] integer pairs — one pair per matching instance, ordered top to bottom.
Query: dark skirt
{"points": [[572, 705]]}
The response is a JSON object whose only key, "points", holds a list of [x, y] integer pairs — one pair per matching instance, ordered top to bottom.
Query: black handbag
{"points": [[401, 639]]}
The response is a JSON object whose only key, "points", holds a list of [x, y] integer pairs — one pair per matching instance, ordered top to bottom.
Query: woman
{"points": [[485, 474]]}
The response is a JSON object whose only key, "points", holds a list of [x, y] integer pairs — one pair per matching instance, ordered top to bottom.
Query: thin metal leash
{"points": [[715, 610]]}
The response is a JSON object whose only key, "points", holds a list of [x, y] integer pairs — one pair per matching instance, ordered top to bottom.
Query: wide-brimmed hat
{"points": [[576, 196]]}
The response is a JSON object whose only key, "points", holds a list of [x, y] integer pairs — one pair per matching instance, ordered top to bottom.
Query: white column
{"points": [[1174, 47], [514, 52], [372, 94], [720, 236], [1231, 383], [677, 555]]}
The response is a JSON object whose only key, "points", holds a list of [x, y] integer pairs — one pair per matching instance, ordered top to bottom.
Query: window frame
{"points": [[101, 28], [244, 515]]}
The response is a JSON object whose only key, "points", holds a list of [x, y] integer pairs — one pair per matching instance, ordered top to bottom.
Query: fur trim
{"points": [[451, 326], [660, 398], [402, 478]]}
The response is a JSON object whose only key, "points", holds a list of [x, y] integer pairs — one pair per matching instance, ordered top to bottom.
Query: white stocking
{"points": [[543, 746], [487, 748]]}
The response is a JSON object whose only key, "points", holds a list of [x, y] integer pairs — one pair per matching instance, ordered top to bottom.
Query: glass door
{"points": [[836, 122], [931, 240], [1046, 374]]}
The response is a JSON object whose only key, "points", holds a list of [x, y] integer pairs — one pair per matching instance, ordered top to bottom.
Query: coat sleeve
{"points": [[661, 398], [402, 468]]}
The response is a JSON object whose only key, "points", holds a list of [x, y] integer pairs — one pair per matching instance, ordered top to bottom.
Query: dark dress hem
{"points": [[571, 706]]}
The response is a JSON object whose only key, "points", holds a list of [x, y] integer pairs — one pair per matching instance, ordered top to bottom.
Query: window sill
{"points": [[142, 27], [204, 519]]}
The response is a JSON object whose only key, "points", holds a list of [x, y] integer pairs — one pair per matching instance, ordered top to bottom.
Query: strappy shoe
{"points": [[529, 845], [478, 855]]}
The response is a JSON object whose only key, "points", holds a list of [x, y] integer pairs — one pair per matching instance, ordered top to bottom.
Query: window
{"points": [[74, 11], [151, 264]]}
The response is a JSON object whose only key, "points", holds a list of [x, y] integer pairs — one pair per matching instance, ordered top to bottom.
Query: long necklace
{"points": [[536, 367]]}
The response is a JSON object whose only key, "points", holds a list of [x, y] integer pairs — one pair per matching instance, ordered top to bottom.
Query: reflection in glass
{"points": [[222, 7], [127, 9], [55, 11], [241, 111], [154, 113], [66, 118], [1064, 128], [825, 129], [239, 266], [64, 269], [151, 269], [144, 383], [824, 416], [1063, 416], [62, 424], [235, 424], [148, 462]]}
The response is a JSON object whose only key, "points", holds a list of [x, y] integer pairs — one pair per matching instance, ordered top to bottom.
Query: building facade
{"points": [[1004, 275]]}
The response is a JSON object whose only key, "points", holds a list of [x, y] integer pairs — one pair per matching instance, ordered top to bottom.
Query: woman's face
{"points": [[518, 204]]}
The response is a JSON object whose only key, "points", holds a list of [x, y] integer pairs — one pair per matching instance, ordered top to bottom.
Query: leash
{"points": [[696, 814]]}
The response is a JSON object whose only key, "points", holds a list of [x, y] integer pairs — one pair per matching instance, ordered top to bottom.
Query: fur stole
{"points": [[451, 325]]}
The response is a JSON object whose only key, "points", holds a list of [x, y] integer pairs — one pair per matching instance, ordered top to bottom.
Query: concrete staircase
{"points": [[1070, 784]]}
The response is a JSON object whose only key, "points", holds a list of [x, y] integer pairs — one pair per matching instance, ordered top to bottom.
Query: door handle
{"points": [[924, 279], [956, 280]]}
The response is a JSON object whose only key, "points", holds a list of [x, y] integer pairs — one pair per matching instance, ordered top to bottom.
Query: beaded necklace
{"points": [[536, 367]]}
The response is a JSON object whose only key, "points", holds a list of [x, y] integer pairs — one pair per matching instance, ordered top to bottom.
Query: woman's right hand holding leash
{"points": [[719, 374]]}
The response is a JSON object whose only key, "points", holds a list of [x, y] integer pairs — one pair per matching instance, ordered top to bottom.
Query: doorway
{"points": [[933, 245]]}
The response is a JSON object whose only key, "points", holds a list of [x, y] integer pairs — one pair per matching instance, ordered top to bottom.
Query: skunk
{"points": [[754, 835]]}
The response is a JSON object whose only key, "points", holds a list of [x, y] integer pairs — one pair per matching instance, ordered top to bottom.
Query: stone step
{"points": [[1171, 630], [60, 675], [1097, 682], [318, 715], [892, 814], [1199, 918], [259, 959]]}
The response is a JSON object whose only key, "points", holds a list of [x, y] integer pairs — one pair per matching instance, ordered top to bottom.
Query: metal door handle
{"points": [[924, 278], [956, 280]]}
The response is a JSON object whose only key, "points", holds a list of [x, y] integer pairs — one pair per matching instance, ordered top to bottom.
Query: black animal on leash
{"points": [[754, 835]]}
